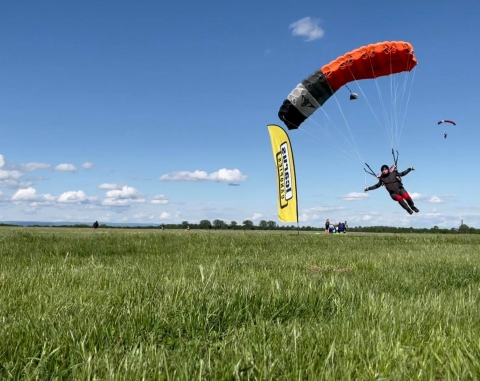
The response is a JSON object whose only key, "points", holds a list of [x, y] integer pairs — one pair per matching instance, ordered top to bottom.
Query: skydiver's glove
{"points": [[412, 168], [365, 189]]}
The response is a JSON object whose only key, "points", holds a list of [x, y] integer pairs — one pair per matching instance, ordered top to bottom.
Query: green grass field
{"points": [[132, 305]]}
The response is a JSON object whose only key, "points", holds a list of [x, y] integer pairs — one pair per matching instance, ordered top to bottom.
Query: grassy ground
{"points": [[130, 305]]}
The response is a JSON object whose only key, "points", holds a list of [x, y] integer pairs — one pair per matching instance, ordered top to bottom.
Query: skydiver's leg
{"points": [[409, 200], [401, 201]]}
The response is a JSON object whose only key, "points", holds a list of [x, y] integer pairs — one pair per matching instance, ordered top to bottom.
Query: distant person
{"points": [[445, 135], [95, 225], [163, 226], [327, 226], [346, 226], [341, 227], [187, 229]]}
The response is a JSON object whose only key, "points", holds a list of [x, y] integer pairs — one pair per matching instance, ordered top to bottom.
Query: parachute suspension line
{"points": [[406, 81], [405, 85], [394, 97], [391, 98], [408, 100], [394, 106], [398, 106], [371, 108], [397, 109], [346, 122], [390, 130], [326, 134], [352, 143], [352, 146], [338, 148]]}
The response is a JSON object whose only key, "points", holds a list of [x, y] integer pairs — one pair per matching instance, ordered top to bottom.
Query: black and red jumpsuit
{"points": [[393, 183]]}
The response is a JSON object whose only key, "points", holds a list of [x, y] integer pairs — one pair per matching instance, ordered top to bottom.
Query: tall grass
{"points": [[132, 305]]}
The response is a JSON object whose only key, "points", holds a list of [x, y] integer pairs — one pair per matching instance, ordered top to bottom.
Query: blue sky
{"points": [[122, 111]]}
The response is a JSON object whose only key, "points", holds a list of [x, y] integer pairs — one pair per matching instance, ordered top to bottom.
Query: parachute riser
{"points": [[395, 159], [371, 171]]}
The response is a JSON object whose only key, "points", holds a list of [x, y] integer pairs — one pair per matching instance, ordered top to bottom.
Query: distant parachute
{"points": [[367, 62], [447, 121]]}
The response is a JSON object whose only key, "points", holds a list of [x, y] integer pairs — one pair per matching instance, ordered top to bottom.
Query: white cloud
{"points": [[307, 27], [87, 165], [30, 167], [66, 168], [10, 175], [221, 175], [227, 175], [185, 176], [14, 184], [110, 186], [125, 192], [29, 194], [354, 196], [417, 196], [73, 197], [123, 197], [36, 200], [159, 200], [436, 200], [121, 202], [324, 209], [318, 212], [433, 213], [143, 216], [165, 216], [256, 216], [304, 217], [367, 217]]}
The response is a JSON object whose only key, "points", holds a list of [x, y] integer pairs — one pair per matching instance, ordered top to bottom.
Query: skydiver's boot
{"points": [[404, 205], [412, 205]]}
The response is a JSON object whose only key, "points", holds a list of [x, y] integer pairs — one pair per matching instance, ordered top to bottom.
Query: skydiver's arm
{"points": [[405, 172], [377, 185]]}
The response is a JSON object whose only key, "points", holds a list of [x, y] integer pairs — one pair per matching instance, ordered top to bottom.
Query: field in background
{"points": [[131, 304]]}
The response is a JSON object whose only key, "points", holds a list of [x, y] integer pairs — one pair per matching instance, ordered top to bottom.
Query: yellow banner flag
{"points": [[287, 187]]}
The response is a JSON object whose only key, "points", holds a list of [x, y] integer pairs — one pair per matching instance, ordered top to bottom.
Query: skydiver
{"points": [[445, 135], [390, 178]]}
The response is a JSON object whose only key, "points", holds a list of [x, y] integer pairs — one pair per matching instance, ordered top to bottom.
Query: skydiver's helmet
{"points": [[384, 167]]}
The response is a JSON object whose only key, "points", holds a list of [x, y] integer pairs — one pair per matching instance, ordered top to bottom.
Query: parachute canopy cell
{"points": [[367, 62], [447, 121]]}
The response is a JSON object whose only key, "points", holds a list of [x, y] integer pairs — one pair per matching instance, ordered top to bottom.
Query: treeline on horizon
{"points": [[270, 225]]}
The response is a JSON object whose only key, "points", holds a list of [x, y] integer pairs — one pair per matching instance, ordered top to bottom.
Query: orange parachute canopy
{"points": [[371, 61], [367, 62]]}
